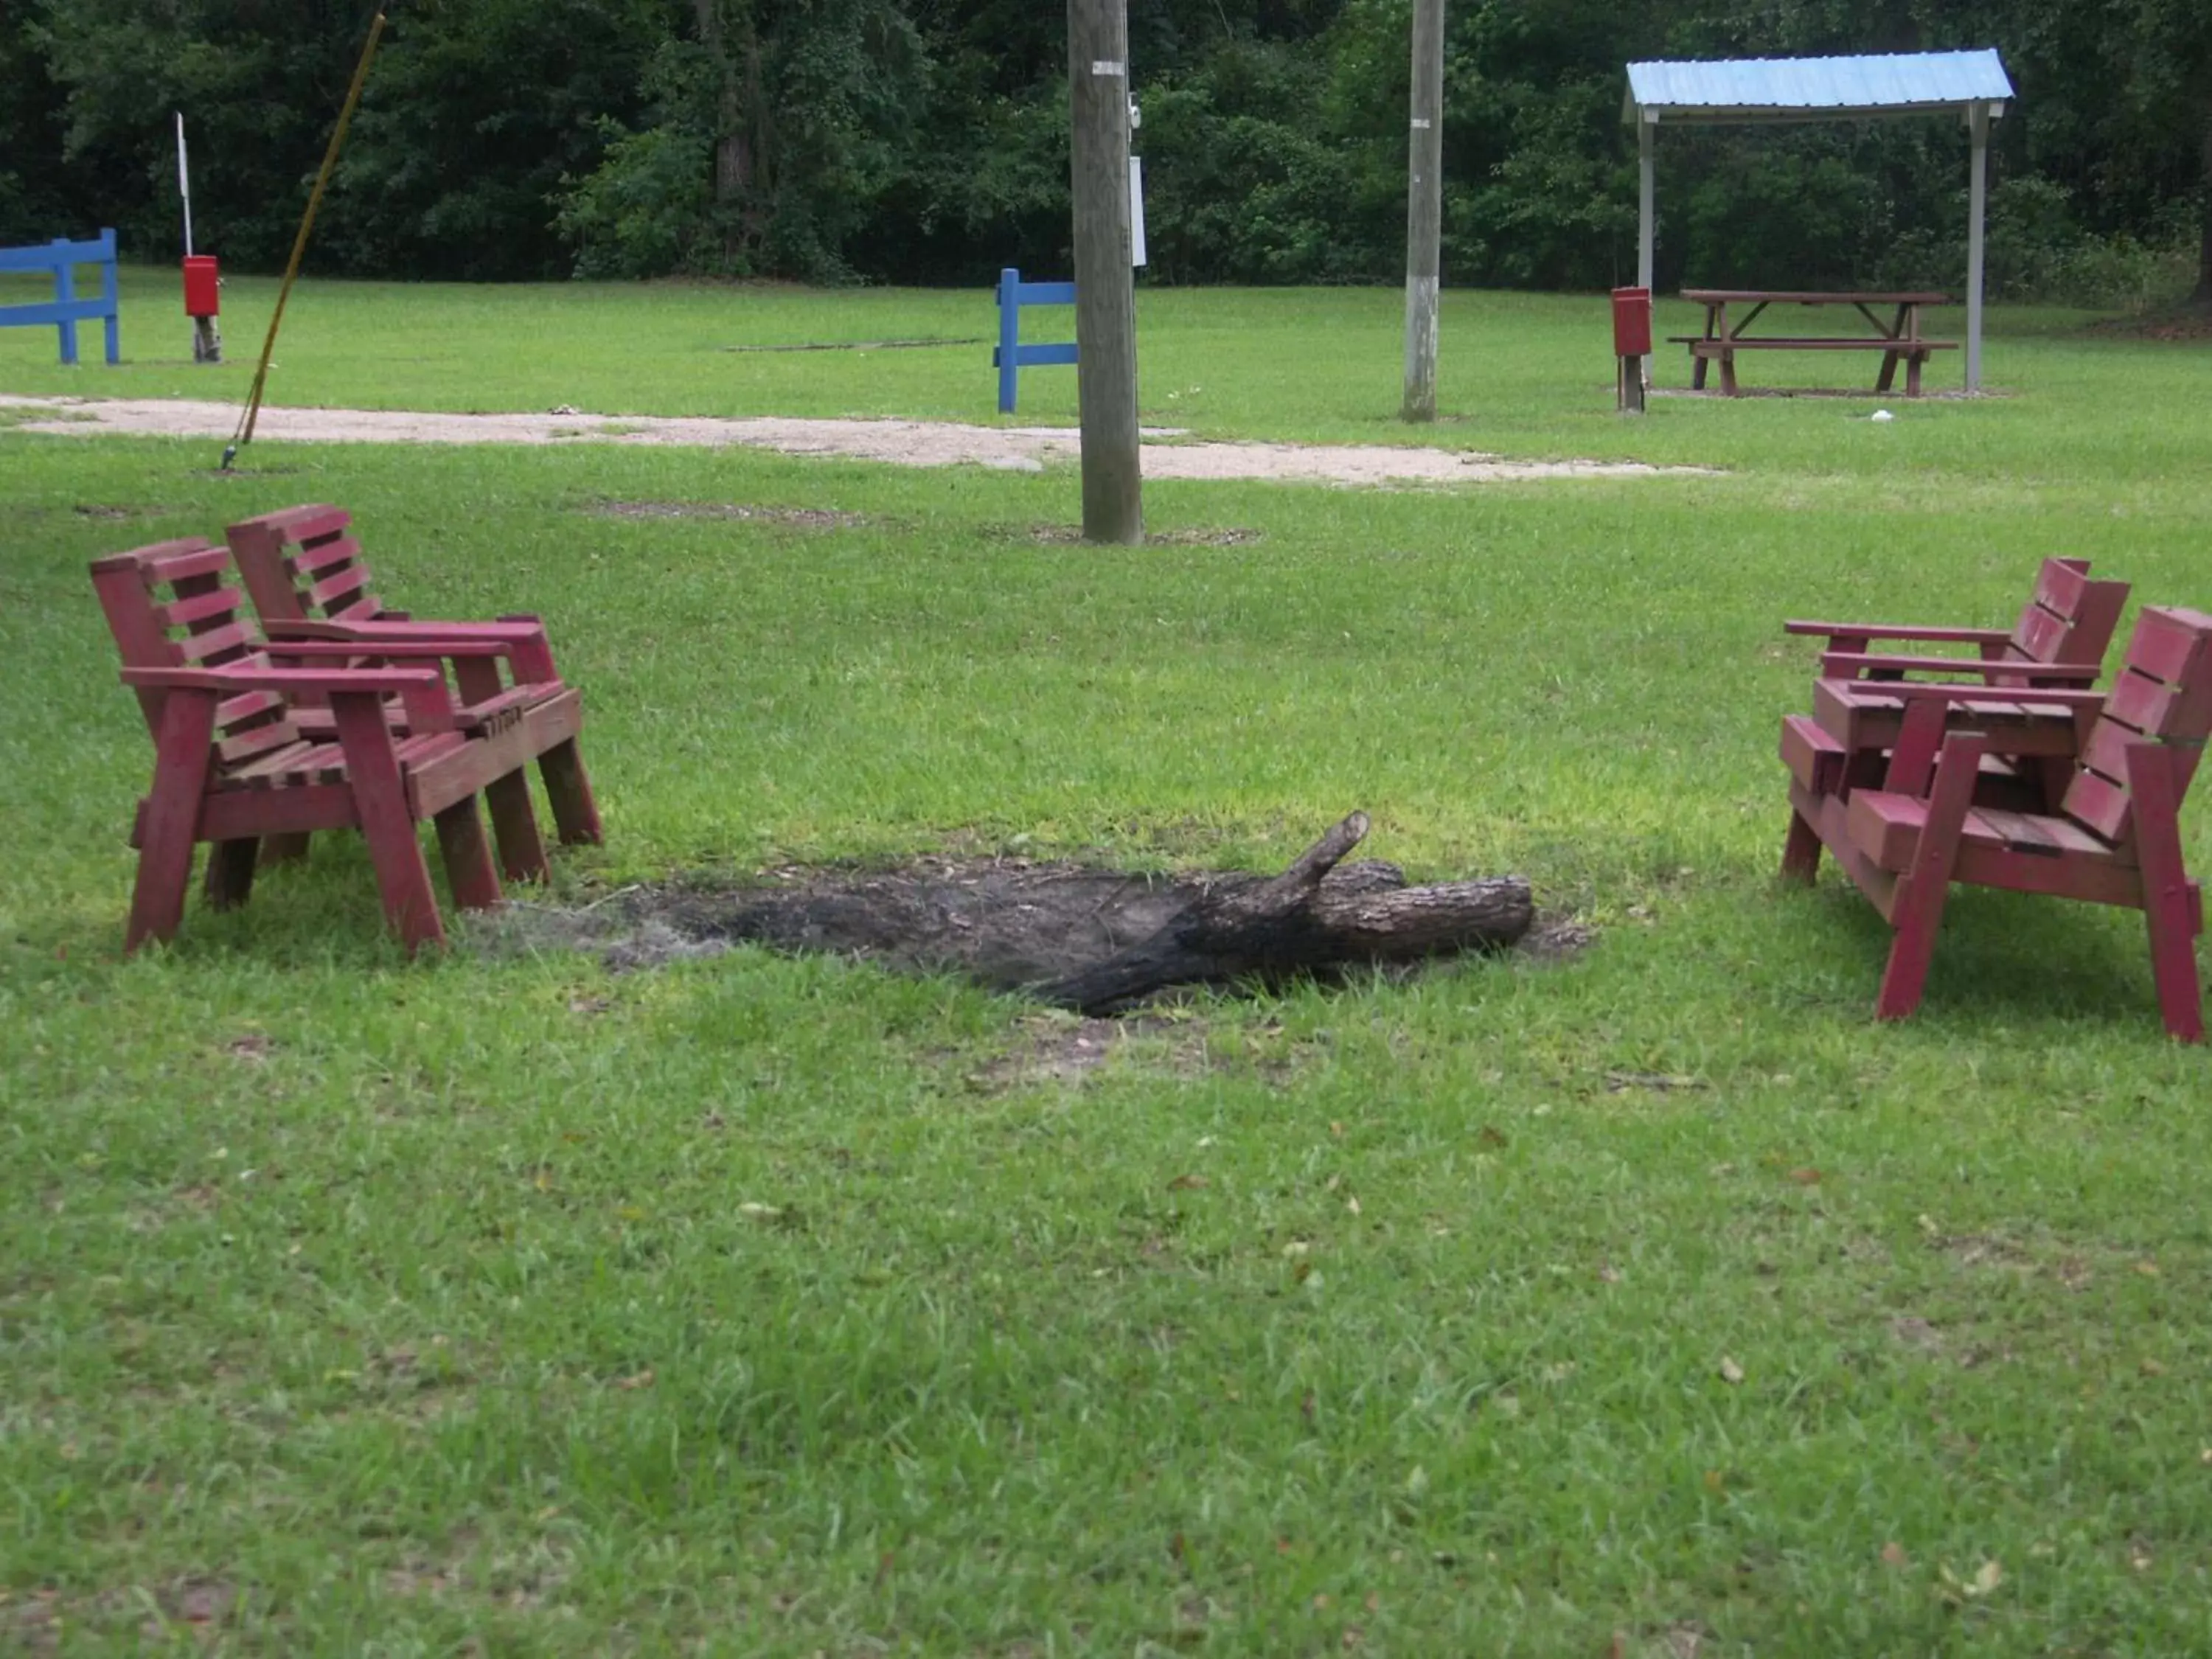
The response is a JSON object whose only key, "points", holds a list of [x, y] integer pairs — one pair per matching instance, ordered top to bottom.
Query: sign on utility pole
{"points": [[1425, 200], [1105, 289]]}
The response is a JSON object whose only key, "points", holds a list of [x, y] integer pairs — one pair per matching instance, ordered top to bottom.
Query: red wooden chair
{"points": [[309, 581], [2060, 640], [247, 749], [2115, 838]]}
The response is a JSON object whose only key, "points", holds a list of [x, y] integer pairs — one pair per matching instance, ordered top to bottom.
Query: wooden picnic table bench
{"points": [[1899, 339]]}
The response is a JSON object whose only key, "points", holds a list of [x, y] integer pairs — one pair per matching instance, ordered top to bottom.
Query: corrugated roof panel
{"points": [[1755, 86]]}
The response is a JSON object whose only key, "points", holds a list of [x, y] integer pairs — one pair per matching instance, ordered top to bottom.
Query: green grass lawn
{"points": [[499, 1304]]}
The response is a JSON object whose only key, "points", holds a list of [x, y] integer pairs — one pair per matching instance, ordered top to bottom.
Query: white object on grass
{"points": [[1881, 414]]}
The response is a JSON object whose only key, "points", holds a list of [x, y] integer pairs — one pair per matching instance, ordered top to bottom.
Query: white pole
{"points": [[1978, 122], [1645, 132], [184, 183]]}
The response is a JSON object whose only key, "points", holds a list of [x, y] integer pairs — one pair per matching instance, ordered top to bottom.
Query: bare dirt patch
{"points": [[905, 443], [805, 518], [1068, 535], [1065, 1049], [45, 1621]]}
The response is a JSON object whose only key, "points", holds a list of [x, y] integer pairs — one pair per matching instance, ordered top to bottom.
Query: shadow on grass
{"points": [[2005, 955]]}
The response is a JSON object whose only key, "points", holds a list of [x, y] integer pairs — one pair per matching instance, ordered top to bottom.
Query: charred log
{"points": [[1313, 917]]}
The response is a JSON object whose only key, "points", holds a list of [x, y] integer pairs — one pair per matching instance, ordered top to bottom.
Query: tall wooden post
{"points": [[1977, 126], [1425, 187], [1647, 218], [1105, 288]]}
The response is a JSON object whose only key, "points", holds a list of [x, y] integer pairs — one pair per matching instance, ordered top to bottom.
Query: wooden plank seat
{"points": [[1701, 347], [310, 581], [2062, 631], [233, 765], [2114, 840]]}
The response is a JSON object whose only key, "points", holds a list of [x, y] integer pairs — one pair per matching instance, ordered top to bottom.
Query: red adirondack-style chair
{"points": [[309, 580], [2067, 619], [2059, 641], [246, 747], [2115, 838]]}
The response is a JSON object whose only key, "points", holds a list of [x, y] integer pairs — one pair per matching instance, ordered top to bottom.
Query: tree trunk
{"points": [[737, 105], [2203, 295], [1311, 917]]}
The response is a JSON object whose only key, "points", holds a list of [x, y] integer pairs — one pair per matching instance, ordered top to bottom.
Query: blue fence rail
{"points": [[60, 257], [1010, 355]]}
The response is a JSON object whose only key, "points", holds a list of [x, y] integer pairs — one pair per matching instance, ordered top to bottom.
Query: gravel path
{"points": [[910, 443]]}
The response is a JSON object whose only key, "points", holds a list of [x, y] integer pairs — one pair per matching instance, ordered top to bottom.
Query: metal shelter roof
{"points": [[1814, 89]]}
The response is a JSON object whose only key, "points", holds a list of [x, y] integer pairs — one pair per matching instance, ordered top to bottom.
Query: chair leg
{"points": [[1919, 742], [569, 790], [380, 795], [170, 824], [514, 824], [284, 850], [1800, 852], [469, 869], [230, 874], [1917, 913], [2168, 913]]}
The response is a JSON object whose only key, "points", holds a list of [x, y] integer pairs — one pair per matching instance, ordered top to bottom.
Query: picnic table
{"points": [[1899, 339]]}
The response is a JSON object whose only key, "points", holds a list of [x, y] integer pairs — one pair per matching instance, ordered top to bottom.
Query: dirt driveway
{"points": [[910, 443]]}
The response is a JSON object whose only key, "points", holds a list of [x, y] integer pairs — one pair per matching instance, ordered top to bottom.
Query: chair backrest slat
{"points": [[314, 557], [302, 565], [168, 606], [2069, 619], [2163, 694]]}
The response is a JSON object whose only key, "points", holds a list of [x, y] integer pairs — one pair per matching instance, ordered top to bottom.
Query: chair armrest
{"points": [[1898, 631], [510, 633], [522, 641], [414, 650], [1838, 665], [290, 681], [421, 691], [1927, 691], [496, 713]]}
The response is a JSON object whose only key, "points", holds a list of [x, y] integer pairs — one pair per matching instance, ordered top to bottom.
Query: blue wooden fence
{"points": [[65, 311], [1010, 355]]}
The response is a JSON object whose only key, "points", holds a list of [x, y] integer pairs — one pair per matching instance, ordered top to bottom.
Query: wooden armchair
{"points": [[310, 581], [2059, 641], [252, 745], [2114, 839]]}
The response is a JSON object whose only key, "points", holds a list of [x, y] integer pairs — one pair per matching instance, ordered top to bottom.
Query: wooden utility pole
{"points": [[1425, 201], [1105, 288]]}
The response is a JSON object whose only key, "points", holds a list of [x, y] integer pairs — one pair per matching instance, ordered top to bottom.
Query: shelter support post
{"points": [[1977, 123], [1647, 130]]}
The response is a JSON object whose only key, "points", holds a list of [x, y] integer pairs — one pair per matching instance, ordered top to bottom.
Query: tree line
{"points": [[925, 140]]}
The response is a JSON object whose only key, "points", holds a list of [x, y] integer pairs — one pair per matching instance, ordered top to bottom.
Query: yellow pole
{"points": [[243, 435]]}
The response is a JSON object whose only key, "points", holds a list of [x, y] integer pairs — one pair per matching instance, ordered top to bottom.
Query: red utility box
{"points": [[200, 286], [1632, 322]]}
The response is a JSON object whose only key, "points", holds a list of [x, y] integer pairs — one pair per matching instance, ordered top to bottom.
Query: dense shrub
{"points": [[926, 140]]}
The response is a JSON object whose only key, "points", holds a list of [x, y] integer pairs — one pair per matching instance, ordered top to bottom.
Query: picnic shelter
{"points": [[1762, 89]]}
